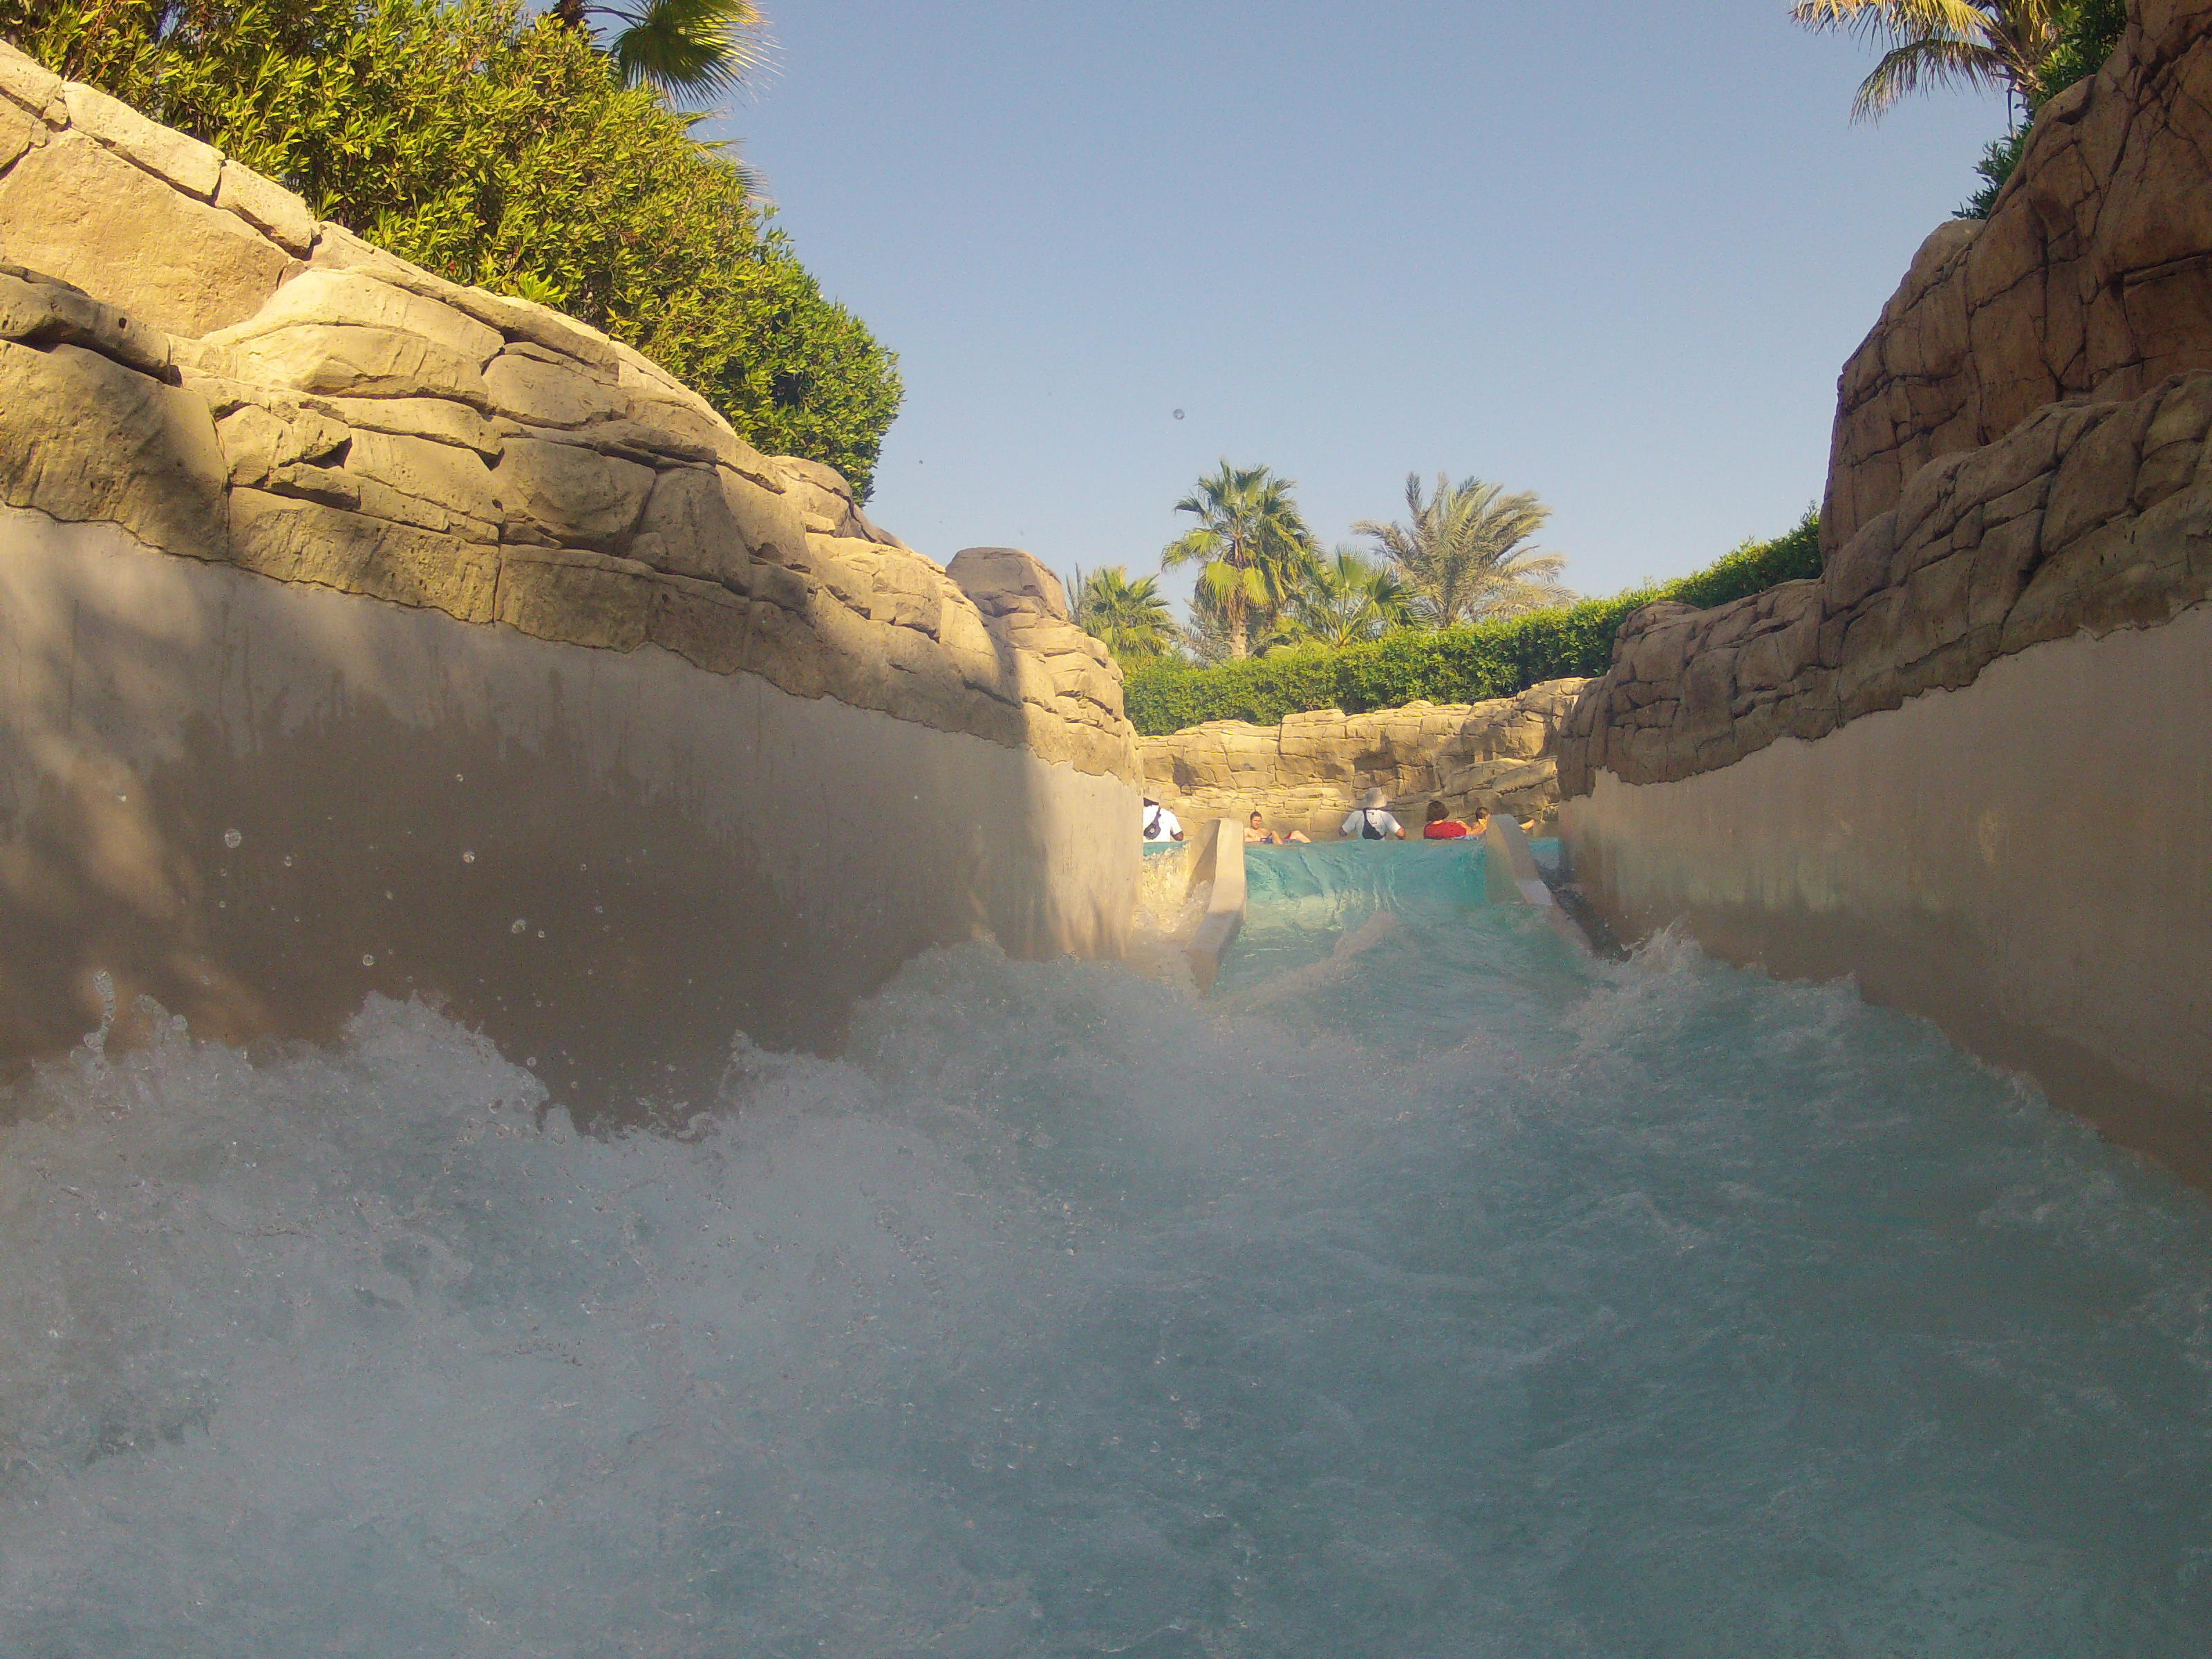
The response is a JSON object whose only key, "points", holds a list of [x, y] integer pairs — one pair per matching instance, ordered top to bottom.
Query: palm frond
{"points": [[1903, 20], [2006, 44], [691, 47], [1907, 69], [1462, 552]]}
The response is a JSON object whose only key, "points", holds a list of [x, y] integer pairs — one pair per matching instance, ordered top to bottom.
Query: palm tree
{"points": [[2005, 45], [688, 48], [1250, 544], [1461, 552], [1347, 599], [1130, 618], [1205, 638]]}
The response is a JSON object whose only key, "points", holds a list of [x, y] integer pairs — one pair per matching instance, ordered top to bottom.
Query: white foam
{"points": [[1481, 1301]]}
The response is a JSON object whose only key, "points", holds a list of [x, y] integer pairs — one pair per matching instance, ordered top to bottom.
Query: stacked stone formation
{"points": [[2091, 276], [186, 352], [2020, 449], [2090, 516], [1308, 772]]}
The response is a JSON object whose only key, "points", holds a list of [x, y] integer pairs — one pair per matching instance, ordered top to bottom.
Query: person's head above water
{"points": [[1375, 800], [1436, 813], [1479, 813], [1256, 818]]}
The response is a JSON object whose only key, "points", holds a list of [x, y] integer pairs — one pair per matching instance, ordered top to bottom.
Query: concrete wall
{"points": [[2027, 859], [612, 862]]}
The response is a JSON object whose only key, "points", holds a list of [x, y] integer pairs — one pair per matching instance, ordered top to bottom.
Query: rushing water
{"points": [[1446, 1293]]}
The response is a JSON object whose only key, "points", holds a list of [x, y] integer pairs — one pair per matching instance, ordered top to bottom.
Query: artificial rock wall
{"points": [[2092, 277], [253, 464], [2087, 518], [1970, 765], [1308, 772]]}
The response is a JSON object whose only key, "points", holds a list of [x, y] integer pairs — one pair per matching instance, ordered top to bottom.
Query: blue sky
{"points": [[1613, 253]]}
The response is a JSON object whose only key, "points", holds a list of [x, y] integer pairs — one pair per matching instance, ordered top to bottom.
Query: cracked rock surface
{"points": [[2092, 277]]}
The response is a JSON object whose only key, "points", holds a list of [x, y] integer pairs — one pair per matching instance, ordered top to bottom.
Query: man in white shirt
{"points": [[1372, 820], [1159, 823]]}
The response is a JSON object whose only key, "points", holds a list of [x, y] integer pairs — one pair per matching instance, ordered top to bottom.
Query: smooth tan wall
{"points": [[2027, 860], [612, 862]]}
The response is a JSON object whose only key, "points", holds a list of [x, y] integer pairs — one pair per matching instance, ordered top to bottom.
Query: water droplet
{"points": [[1178, 413], [458, 778], [231, 839], [468, 858], [287, 861], [520, 924], [541, 932], [367, 961], [531, 1061]]}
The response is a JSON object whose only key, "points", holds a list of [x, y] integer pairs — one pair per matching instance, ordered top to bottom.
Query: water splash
{"points": [[1477, 1299]]}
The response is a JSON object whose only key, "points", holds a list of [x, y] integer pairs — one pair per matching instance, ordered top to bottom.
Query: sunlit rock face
{"points": [[2092, 277], [2090, 516], [454, 575], [1308, 772]]}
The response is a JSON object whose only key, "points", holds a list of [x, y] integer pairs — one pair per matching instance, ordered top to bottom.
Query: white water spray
{"points": [[1467, 1299]]}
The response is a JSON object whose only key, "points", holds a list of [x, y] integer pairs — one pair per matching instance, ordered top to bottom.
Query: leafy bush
{"points": [[503, 151], [2000, 156], [1753, 567], [1450, 664]]}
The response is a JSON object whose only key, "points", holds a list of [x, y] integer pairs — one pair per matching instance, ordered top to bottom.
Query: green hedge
{"points": [[1449, 665]]}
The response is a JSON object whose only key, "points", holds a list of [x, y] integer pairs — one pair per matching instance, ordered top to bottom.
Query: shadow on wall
{"points": [[370, 633], [257, 802]]}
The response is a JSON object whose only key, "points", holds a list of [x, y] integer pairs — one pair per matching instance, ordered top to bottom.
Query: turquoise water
{"points": [[1450, 1295]]}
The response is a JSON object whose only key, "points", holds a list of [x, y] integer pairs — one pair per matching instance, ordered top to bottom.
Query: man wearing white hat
{"points": [[1372, 820]]}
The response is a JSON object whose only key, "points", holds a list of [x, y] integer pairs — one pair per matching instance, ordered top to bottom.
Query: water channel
{"points": [[1433, 1288]]}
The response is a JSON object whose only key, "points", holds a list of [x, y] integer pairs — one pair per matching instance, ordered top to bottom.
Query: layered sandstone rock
{"points": [[2092, 277], [184, 352], [2089, 517], [1306, 773]]}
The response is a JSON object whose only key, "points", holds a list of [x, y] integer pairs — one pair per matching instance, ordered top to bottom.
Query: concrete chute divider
{"points": [[1219, 861], [1510, 875]]}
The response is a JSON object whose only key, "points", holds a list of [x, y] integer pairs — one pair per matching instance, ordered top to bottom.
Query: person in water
{"points": [[1371, 820], [1159, 823], [1442, 826], [1256, 834]]}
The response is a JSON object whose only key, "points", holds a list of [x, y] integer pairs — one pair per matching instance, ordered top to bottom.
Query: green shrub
{"points": [[503, 151], [1753, 567], [1449, 665]]}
